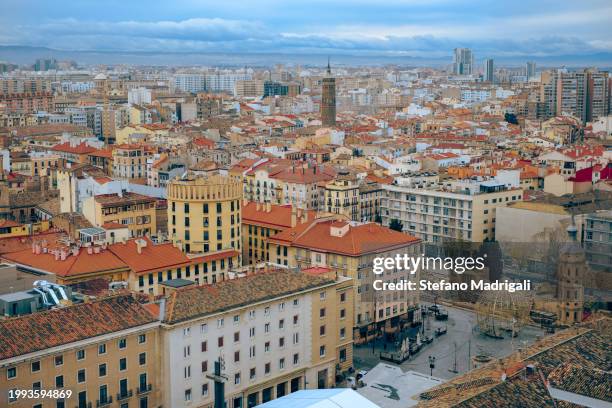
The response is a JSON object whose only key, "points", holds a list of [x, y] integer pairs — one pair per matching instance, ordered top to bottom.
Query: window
{"points": [[322, 295], [343, 296], [296, 302], [322, 312], [342, 313], [236, 319], [295, 320], [220, 323], [281, 324], [203, 328], [267, 328], [322, 330], [187, 331], [342, 333], [236, 337], [142, 338], [296, 338], [220, 341], [281, 342], [122, 343], [204, 346], [267, 346], [102, 349], [186, 351], [322, 351], [252, 352], [80, 354], [342, 355], [236, 356], [142, 358], [296, 359], [59, 360], [281, 363], [122, 364], [35, 366], [204, 366], [267, 368], [102, 370], [187, 371], [11, 373], [252, 373], [81, 376], [237, 378], [59, 381], [204, 390], [188, 394]]}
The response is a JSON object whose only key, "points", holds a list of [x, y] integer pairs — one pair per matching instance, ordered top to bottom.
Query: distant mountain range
{"points": [[27, 55]]}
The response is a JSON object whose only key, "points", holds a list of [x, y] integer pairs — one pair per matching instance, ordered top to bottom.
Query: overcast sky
{"points": [[425, 28]]}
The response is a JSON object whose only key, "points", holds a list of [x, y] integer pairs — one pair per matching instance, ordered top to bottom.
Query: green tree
{"points": [[511, 118], [396, 225]]}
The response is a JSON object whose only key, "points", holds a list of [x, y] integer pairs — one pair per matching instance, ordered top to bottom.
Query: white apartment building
{"points": [[192, 83], [457, 210], [262, 329]]}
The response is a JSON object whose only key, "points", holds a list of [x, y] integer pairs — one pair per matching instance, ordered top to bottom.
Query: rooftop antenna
{"points": [[328, 66]]}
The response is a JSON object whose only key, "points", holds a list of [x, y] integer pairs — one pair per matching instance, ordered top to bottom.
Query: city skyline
{"points": [[414, 29]]}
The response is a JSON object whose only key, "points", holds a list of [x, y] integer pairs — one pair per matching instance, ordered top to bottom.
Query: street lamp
{"points": [[432, 365]]}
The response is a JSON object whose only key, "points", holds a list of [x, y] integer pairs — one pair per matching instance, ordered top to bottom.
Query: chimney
{"points": [[258, 206], [293, 216], [304, 216], [140, 243]]}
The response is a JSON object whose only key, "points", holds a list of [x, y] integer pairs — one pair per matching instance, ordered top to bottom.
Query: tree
{"points": [[511, 118], [396, 225]]}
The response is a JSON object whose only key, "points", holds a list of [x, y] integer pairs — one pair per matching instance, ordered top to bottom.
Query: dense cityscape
{"points": [[214, 235]]}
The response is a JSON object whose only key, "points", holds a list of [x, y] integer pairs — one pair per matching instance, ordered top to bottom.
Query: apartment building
{"points": [[130, 161], [285, 182], [341, 196], [134, 210], [437, 212], [204, 213], [262, 221], [598, 239], [344, 248], [274, 333], [104, 351]]}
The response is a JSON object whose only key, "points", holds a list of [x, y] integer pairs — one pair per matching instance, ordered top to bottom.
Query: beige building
{"points": [[130, 161], [342, 196], [134, 210], [204, 213], [436, 213], [341, 248], [276, 333], [105, 352]]}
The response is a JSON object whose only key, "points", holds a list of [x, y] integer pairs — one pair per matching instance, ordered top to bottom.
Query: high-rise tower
{"points": [[489, 70], [328, 99]]}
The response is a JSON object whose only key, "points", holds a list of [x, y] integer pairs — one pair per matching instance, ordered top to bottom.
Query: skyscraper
{"points": [[463, 63], [489, 69], [531, 69], [328, 99]]}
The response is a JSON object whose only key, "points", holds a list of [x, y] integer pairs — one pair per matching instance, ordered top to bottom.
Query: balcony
{"points": [[144, 390], [126, 395], [104, 403]]}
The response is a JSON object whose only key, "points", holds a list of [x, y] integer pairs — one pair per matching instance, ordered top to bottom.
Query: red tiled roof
{"points": [[81, 148], [279, 216], [360, 239], [153, 257], [81, 264], [43, 330]]}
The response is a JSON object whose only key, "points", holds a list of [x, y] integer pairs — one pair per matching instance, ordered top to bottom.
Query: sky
{"points": [[415, 28]]}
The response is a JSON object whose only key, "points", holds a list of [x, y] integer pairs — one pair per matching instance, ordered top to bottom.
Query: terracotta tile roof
{"points": [[81, 148], [109, 200], [279, 216], [9, 223], [359, 239], [16, 244], [153, 257], [74, 265], [192, 302], [43, 330], [593, 383]]}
